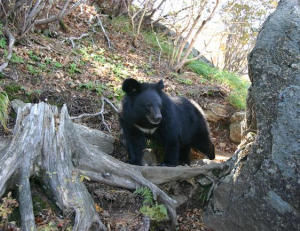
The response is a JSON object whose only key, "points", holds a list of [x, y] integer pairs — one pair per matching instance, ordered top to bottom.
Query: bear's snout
{"points": [[155, 116], [157, 119]]}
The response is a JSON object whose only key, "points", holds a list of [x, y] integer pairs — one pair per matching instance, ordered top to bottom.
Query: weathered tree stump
{"points": [[48, 144]]}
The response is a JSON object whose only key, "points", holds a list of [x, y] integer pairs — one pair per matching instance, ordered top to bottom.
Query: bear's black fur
{"points": [[177, 123]]}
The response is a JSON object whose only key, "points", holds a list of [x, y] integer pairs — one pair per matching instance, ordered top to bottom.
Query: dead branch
{"points": [[62, 14], [104, 32], [76, 38], [11, 40], [160, 48], [187, 52], [103, 99]]}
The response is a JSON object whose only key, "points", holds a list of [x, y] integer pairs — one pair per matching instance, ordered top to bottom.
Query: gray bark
{"points": [[39, 143], [262, 190]]}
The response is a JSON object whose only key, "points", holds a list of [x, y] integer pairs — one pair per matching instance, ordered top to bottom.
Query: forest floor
{"points": [[46, 67]]}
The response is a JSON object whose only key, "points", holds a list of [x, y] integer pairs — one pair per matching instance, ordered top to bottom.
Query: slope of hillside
{"points": [[70, 63]]}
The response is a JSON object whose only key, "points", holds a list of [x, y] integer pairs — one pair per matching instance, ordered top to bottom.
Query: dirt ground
{"points": [[80, 83]]}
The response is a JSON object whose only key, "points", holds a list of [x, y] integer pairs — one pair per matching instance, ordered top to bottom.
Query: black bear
{"points": [[177, 123]]}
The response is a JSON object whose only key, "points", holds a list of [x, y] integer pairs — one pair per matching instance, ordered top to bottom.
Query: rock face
{"points": [[261, 192]]}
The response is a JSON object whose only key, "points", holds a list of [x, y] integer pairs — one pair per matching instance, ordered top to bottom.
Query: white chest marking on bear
{"points": [[146, 130]]}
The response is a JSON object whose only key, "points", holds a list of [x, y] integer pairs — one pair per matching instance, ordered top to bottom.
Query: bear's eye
{"points": [[148, 105]]}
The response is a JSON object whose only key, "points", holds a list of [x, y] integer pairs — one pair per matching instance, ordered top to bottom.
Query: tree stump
{"points": [[48, 144]]}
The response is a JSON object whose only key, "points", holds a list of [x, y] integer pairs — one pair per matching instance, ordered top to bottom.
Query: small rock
{"points": [[216, 112], [237, 117], [235, 126], [235, 132], [222, 145], [105, 213]]}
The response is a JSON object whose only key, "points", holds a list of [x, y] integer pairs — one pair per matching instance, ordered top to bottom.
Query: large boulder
{"points": [[261, 192]]}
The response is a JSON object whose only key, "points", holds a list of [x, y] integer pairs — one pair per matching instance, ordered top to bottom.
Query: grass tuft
{"points": [[238, 86], [4, 109]]}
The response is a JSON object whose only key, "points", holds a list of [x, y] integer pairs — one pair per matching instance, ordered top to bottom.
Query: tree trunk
{"points": [[47, 144], [262, 190]]}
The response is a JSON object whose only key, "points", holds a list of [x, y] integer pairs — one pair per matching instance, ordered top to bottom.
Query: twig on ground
{"points": [[103, 30], [76, 38], [12, 40], [111, 104], [101, 112]]}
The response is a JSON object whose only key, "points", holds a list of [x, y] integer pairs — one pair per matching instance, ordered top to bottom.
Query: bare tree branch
{"points": [[63, 13], [103, 30], [12, 40], [187, 52], [99, 113]]}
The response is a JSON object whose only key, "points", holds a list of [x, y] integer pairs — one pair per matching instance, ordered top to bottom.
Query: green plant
{"points": [[122, 24], [1, 29], [152, 39], [3, 43], [89, 54], [33, 56], [98, 58], [16, 59], [48, 61], [57, 64], [42, 66], [73, 68], [32, 70], [120, 71], [184, 81], [89, 86], [238, 86], [93, 87], [99, 89], [11, 90], [29, 92], [115, 92], [4, 109], [202, 193], [7, 206], [155, 211]]}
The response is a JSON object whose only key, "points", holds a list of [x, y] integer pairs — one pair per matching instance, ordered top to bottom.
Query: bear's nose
{"points": [[157, 118]]}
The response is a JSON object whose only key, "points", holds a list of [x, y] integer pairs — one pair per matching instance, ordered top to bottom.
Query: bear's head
{"points": [[146, 100]]}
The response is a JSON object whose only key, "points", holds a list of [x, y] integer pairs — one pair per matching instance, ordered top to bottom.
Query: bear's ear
{"points": [[160, 84], [130, 86]]}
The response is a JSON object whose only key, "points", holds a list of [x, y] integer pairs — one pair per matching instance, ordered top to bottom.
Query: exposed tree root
{"points": [[48, 145]]}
